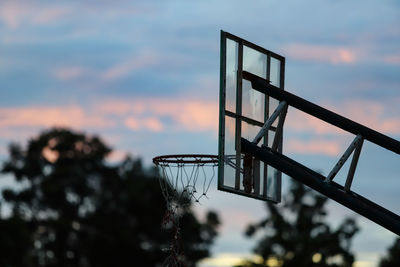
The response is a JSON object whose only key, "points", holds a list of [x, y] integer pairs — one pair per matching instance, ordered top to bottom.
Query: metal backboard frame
{"points": [[243, 112]]}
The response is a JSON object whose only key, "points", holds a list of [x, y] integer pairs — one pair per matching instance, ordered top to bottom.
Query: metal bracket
{"points": [[283, 105], [355, 145]]}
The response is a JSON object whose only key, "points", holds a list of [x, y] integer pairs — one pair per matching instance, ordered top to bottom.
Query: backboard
{"points": [[243, 112]]}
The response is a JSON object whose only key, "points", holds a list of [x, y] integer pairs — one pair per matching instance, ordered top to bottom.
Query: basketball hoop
{"points": [[184, 179]]}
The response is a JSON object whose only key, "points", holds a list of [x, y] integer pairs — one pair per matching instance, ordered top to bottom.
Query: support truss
{"points": [[324, 185]]}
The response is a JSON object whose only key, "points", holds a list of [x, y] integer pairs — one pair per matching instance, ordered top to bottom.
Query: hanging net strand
{"points": [[184, 179]]}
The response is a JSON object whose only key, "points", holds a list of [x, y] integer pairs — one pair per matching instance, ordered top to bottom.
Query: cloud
{"points": [[12, 13], [15, 13], [321, 53], [392, 59], [140, 61], [70, 73], [370, 113], [145, 114], [158, 114], [194, 115], [49, 117], [299, 121], [152, 124], [306, 134], [326, 139], [319, 147]]}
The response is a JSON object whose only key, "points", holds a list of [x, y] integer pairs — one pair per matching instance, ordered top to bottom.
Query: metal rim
{"points": [[186, 159]]}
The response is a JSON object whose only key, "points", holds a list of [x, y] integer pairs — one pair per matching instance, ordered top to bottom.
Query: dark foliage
{"points": [[73, 208], [295, 233], [15, 242], [392, 259]]}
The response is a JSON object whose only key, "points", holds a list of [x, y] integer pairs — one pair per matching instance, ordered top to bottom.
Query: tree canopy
{"points": [[70, 207], [296, 233], [392, 258]]}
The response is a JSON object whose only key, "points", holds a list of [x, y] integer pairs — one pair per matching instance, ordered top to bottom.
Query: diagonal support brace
{"points": [[283, 105], [279, 130], [356, 144], [353, 166]]}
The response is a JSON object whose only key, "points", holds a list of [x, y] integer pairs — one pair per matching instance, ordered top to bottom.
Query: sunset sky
{"points": [[144, 75]]}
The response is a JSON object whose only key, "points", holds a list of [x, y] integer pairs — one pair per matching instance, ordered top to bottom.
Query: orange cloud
{"points": [[321, 53], [192, 115]]}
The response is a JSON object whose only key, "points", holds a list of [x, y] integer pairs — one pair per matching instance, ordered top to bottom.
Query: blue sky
{"points": [[144, 75]]}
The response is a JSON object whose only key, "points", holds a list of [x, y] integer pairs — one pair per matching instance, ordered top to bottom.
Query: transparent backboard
{"points": [[243, 112]]}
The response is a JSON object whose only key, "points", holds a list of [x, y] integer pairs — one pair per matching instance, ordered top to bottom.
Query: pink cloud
{"points": [[12, 13], [16, 13], [321, 53], [392, 59], [70, 73], [122, 107], [148, 113], [369, 113], [372, 114], [193, 115], [50, 117], [302, 122], [152, 124], [329, 140], [321, 147]]}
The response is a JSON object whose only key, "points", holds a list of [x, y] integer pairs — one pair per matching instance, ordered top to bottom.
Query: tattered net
{"points": [[184, 179]]}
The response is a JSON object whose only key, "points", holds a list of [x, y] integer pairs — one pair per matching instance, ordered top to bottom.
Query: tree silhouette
{"points": [[78, 210], [295, 233], [15, 242], [392, 259]]}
